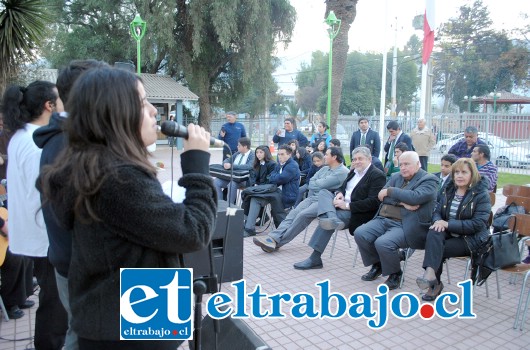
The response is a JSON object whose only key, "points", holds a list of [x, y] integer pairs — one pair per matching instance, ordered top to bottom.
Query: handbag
{"points": [[217, 170], [500, 219], [500, 250]]}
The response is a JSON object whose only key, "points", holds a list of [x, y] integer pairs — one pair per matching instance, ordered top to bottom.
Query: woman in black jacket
{"points": [[262, 167], [105, 191], [460, 224]]}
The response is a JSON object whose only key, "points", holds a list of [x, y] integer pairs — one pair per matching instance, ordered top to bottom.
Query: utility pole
{"points": [[394, 76]]}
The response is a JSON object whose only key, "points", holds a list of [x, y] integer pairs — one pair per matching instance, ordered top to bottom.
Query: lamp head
{"points": [[332, 20], [138, 26]]}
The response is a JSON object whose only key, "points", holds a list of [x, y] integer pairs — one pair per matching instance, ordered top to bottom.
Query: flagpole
{"points": [[428, 43], [423, 96], [382, 107]]}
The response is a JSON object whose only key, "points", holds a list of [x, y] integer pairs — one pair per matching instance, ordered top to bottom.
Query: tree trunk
{"points": [[345, 10], [203, 91]]}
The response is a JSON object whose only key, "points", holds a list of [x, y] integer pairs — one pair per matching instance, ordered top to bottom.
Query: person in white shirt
{"points": [[25, 110], [243, 159], [446, 164]]}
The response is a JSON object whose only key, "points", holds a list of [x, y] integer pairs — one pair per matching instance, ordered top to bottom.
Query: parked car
{"points": [[503, 153]]}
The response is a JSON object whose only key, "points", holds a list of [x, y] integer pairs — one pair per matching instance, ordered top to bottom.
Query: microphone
{"points": [[171, 128]]}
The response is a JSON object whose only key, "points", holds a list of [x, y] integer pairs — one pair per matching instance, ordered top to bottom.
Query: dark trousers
{"points": [[424, 160], [441, 245], [17, 279], [51, 320]]}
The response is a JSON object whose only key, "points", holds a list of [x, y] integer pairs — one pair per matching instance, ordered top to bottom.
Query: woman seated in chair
{"points": [[262, 167], [286, 176], [460, 224]]}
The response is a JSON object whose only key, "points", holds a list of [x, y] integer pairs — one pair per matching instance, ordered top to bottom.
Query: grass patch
{"points": [[504, 178]]}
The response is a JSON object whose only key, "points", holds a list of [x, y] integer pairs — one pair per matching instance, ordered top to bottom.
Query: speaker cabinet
{"points": [[227, 244], [233, 334]]}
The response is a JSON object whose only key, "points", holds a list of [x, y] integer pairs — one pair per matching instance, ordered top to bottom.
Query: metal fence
{"points": [[507, 135]]}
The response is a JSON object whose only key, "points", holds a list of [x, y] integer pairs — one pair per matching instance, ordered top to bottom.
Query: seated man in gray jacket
{"points": [[330, 177], [403, 220]]}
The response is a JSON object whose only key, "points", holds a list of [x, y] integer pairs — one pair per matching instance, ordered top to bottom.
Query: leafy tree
{"points": [[345, 10], [22, 27], [225, 46], [221, 48], [474, 59]]}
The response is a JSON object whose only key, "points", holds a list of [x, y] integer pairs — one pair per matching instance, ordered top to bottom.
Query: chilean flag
{"points": [[428, 30]]}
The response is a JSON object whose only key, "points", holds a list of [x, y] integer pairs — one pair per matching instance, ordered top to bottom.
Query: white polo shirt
{"points": [[27, 231]]}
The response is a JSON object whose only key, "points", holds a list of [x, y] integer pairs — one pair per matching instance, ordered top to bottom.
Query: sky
{"points": [[368, 33]]}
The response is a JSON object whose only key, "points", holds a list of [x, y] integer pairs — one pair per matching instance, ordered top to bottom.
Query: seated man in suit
{"points": [[243, 159], [446, 165], [330, 177], [354, 204], [402, 221]]}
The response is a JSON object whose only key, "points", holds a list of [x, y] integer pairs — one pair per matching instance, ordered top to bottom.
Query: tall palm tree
{"points": [[345, 10], [22, 28]]}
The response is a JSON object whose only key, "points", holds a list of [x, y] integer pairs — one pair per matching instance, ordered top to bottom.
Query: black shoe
{"points": [[249, 233], [402, 255], [309, 264], [374, 272], [393, 280], [433, 292], [27, 304], [14, 312]]}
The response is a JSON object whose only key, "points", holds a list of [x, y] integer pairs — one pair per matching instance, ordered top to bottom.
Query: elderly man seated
{"points": [[330, 177], [354, 204], [402, 221]]}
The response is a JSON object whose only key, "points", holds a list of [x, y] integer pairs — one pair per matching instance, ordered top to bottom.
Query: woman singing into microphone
{"points": [[104, 189]]}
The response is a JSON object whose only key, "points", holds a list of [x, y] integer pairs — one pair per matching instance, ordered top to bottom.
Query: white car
{"points": [[503, 153]]}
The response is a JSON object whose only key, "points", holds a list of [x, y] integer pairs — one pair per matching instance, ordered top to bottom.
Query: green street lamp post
{"points": [[138, 27], [333, 30], [495, 96], [469, 99]]}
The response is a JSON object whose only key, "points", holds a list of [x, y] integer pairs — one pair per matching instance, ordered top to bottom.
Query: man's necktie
{"points": [[363, 139], [391, 152], [240, 159]]}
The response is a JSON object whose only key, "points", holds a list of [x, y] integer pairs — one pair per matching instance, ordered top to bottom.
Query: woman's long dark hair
{"points": [[23, 105], [103, 128], [267, 158]]}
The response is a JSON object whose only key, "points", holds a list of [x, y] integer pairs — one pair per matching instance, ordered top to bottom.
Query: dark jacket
{"points": [[291, 135], [402, 138], [372, 139], [52, 140], [304, 162], [312, 171], [262, 174], [289, 179], [441, 188], [420, 190], [364, 202], [472, 214], [140, 227]]}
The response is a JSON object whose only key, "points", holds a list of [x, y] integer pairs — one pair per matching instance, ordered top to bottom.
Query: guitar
{"points": [[4, 241]]}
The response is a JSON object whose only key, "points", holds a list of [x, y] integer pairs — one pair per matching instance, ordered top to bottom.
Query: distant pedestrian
{"points": [[230, 133], [423, 140]]}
